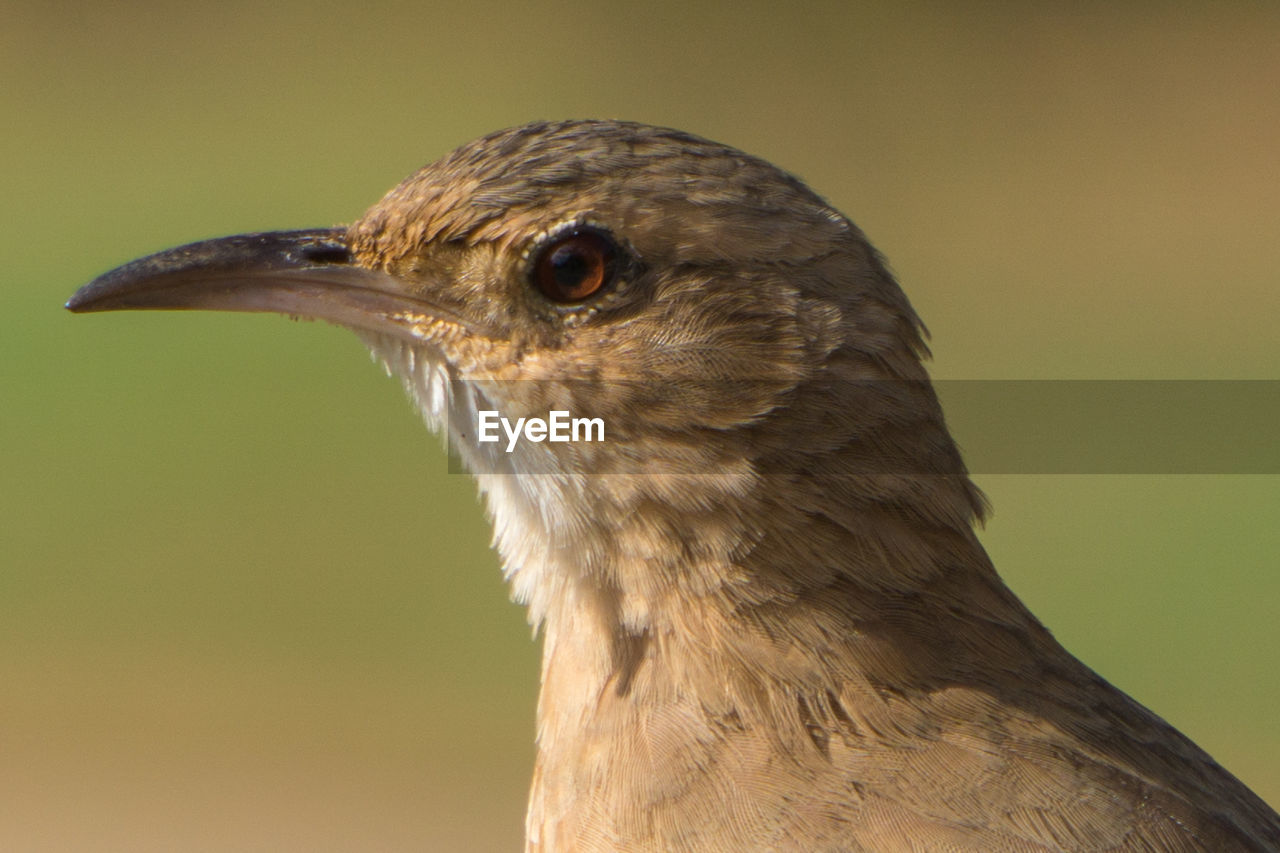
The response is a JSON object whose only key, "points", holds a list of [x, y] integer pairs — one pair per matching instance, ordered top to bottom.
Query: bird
{"points": [[768, 623]]}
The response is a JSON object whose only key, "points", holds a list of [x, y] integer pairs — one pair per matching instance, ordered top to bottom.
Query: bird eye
{"points": [[575, 266]]}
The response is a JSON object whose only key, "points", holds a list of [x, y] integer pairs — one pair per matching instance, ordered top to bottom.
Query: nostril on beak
{"points": [[332, 253]]}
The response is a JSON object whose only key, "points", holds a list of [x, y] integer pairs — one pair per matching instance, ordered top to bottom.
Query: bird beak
{"points": [[302, 273]]}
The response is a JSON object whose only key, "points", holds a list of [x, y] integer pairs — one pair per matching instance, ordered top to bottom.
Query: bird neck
{"points": [[789, 562], [768, 587], [707, 626], [696, 667]]}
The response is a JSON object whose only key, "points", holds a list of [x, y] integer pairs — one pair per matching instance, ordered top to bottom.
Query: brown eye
{"points": [[575, 266]]}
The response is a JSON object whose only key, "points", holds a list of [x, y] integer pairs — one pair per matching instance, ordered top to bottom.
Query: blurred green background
{"points": [[243, 605]]}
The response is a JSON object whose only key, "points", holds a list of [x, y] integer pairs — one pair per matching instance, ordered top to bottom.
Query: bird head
{"points": [[722, 321]]}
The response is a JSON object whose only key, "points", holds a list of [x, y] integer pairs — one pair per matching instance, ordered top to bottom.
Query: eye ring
{"points": [[575, 265]]}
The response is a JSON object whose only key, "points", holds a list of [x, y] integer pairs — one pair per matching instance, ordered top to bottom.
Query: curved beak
{"points": [[308, 273]]}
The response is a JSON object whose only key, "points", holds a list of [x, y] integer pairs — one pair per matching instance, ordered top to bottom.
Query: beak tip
{"points": [[82, 301], [76, 303]]}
